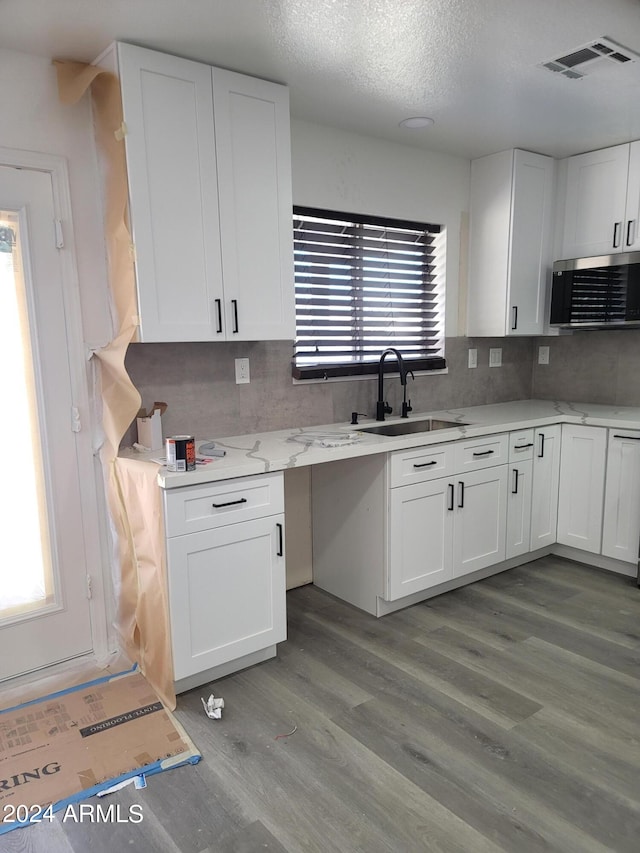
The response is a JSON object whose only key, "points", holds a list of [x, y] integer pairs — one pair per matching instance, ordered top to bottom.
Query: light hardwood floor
{"points": [[504, 716]]}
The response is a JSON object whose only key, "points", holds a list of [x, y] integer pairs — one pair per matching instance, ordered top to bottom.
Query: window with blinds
{"points": [[364, 284]]}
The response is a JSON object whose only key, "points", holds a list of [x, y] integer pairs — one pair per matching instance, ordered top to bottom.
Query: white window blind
{"points": [[363, 284]]}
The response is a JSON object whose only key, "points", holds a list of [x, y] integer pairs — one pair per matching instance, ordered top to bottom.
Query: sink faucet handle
{"points": [[406, 408]]}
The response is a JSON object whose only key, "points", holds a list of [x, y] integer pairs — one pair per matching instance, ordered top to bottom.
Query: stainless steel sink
{"points": [[407, 427]]}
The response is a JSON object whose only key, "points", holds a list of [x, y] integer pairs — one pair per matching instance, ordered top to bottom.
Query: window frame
{"points": [[370, 367]]}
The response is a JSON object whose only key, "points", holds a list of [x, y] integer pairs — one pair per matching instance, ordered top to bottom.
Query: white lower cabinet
{"points": [[544, 486], [581, 491], [519, 508], [480, 520], [621, 522], [420, 537], [227, 581]]}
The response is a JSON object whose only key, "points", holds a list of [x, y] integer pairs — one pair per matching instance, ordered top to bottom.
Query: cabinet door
{"points": [[170, 145], [254, 183], [595, 202], [631, 235], [530, 242], [546, 476], [581, 494], [519, 509], [480, 519], [621, 528], [420, 537], [226, 593]]}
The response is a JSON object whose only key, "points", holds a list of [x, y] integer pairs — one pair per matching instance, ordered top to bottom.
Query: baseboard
{"points": [[597, 560]]}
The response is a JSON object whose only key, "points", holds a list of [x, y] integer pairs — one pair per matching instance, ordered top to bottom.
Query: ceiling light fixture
{"points": [[416, 122]]}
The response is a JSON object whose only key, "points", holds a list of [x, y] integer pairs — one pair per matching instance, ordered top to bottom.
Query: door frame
{"points": [[81, 373]]}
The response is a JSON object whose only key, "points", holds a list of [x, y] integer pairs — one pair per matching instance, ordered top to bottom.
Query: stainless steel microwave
{"points": [[596, 293]]}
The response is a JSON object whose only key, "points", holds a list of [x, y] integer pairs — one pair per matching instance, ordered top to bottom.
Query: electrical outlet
{"points": [[543, 355], [495, 357], [473, 358], [242, 371]]}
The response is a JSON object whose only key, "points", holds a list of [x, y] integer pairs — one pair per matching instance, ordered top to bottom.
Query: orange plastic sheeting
{"points": [[143, 621]]}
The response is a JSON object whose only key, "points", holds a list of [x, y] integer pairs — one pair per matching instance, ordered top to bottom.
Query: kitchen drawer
{"points": [[521, 445], [481, 452], [421, 463], [209, 505]]}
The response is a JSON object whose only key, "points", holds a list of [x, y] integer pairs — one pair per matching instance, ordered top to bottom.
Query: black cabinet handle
{"points": [[629, 238], [616, 242], [234, 305], [219, 315], [514, 324], [630, 437], [522, 446], [541, 451], [483, 453], [425, 464], [451, 488], [514, 490], [460, 494], [230, 503], [279, 552]]}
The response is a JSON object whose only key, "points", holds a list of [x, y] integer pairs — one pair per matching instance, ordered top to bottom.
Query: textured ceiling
{"points": [[365, 65]]}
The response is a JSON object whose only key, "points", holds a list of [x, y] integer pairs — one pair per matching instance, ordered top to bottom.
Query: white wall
{"points": [[34, 120], [339, 170]]}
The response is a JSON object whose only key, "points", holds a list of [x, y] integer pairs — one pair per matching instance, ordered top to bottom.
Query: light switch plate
{"points": [[543, 355], [495, 357], [473, 358], [242, 371]]}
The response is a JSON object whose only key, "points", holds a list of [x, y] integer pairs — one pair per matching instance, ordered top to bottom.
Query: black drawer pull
{"points": [[630, 437], [522, 446], [541, 451], [483, 453], [425, 464], [451, 490], [514, 490], [460, 494], [230, 503], [280, 552]]}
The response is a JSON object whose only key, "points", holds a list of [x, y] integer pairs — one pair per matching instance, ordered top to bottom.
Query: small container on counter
{"points": [[181, 453]]}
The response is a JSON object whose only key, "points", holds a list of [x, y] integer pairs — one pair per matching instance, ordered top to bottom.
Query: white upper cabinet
{"points": [[253, 149], [209, 163], [173, 194], [602, 203], [511, 222]]}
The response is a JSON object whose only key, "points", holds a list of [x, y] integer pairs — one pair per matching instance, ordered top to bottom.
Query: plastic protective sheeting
{"points": [[132, 491]]}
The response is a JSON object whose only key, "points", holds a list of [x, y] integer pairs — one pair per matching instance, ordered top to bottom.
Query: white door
{"points": [[594, 222], [546, 475], [581, 493], [519, 509], [621, 528], [479, 532], [420, 539], [44, 611]]}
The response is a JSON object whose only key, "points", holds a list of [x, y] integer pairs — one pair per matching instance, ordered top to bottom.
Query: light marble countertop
{"points": [[259, 453]]}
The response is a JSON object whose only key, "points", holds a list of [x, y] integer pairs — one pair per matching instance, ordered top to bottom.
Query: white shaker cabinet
{"points": [[253, 148], [209, 165], [173, 194], [602, 202], [511, 222], [544, 487], [581, 491], [421, 519], [480, 519], [621, 523], [226, 575]]}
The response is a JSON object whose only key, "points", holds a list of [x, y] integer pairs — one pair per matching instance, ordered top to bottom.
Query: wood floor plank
{"points": [[497, 718]]}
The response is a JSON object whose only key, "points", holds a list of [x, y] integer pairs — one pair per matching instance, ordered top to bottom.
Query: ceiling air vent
{"points": [[598, 55]]}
